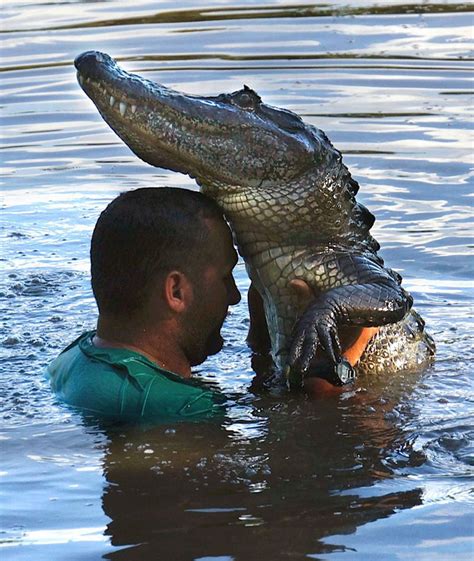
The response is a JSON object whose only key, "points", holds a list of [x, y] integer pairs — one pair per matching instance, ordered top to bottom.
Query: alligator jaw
{"points": [[231, 139]]}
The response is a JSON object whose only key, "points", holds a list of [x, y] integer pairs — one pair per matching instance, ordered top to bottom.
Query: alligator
{"points": [[290, 201]]}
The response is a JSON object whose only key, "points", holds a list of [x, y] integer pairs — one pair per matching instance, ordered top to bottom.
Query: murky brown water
{"points": [[381, 474]]}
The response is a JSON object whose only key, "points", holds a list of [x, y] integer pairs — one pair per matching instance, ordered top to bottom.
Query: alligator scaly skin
{"points": [[282, 240]]}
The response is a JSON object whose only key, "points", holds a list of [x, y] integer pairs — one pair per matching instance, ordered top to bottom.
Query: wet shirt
{"points": [[125, 385]]}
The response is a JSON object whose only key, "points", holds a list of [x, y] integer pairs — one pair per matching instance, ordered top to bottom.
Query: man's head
{"points": [[165, 255]]}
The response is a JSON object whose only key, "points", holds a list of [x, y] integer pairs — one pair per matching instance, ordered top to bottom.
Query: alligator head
{"points": [[231, 139]]}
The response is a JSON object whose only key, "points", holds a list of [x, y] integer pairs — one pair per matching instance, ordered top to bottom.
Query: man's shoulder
{"points": [[68, 363], [81, 380], [123, 384]]}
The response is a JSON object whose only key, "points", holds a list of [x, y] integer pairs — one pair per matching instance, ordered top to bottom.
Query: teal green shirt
{"points": [[125, 385]]}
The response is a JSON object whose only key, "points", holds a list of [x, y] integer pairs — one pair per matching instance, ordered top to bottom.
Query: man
{"points": [[161, 272]]}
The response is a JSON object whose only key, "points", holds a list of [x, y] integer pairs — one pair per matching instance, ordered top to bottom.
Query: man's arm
{"points": [[373, 298]]}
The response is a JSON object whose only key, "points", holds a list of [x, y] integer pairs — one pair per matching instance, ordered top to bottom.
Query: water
{"points": [[382, 473]]}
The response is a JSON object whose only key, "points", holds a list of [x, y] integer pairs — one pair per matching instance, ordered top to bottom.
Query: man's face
{"points": [[214, 290]]}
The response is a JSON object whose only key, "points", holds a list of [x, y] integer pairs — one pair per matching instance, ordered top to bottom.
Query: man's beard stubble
{"points": [[200, 339]]}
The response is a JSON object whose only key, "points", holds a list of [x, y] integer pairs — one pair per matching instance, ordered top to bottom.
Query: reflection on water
{"points": [[383, 473], [279, 493]]}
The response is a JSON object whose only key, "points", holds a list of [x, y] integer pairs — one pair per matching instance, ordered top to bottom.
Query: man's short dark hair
{"points": [[142, 234]]}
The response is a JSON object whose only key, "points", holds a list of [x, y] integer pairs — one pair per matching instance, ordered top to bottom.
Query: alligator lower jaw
{"points": [[97, 90], [115, 102], [129, 116]]}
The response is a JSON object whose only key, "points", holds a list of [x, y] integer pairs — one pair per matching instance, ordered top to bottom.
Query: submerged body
{"points": [[291, 204]]}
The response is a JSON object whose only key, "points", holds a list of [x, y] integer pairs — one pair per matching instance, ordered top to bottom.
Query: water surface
{"points": [[382, 473]]}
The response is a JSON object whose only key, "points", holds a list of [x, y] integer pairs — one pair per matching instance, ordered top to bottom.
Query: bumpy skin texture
{"points": [[291, 203]]}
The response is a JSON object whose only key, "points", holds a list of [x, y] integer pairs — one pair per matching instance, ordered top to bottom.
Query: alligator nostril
{"points": [[83, 59], [89, 59]]}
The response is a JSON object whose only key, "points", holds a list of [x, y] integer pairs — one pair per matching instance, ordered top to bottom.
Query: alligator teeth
{"points": [[111, 101], [122, 107], [134, 108]]}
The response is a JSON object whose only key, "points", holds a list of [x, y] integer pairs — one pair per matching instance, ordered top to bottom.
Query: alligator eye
{"points": [[246, 99]]}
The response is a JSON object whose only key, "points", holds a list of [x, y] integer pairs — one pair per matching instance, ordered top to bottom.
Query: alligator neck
{"points": [[318, 212]]}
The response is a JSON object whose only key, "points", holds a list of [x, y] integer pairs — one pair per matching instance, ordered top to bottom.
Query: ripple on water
{"points": [[32, 305]]}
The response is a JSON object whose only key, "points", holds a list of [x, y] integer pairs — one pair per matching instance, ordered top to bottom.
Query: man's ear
{"points": [[178, 291]]}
